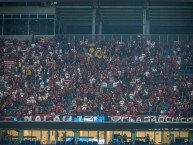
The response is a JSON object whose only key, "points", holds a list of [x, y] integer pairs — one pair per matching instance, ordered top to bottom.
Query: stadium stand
{"points": [[105, 72], [49, 77]]}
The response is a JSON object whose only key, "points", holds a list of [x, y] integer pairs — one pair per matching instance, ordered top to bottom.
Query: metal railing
{"points": [[157, 38]]}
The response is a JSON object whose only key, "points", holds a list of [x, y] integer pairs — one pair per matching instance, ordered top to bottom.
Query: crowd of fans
{"points": [[58, 76]]}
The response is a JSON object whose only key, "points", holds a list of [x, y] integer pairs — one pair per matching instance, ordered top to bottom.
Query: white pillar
{"points": [[146, 21], [133, 135], [20, 136], [76, 136]]}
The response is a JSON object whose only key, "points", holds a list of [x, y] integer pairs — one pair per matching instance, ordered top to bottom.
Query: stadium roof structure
{"points": [[128, 13], [165, 14]]}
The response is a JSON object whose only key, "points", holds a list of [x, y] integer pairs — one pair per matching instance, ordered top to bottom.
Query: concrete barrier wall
{"points": [[27, 10], [23, 37], [94, 125]]}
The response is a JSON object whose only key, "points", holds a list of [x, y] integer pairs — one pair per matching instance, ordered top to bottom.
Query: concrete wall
{"points": [[27, 10], [24, 37]]}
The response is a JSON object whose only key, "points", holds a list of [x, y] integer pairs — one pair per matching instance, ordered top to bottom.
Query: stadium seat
{"points": [[5, 142], [23, 142], [27, 142], [33, 142], [38, 142], [58, 142], [72, 142], [79, 142], [63, 143], [68, 143], [84, 143], [95, 143], [128, 143]]}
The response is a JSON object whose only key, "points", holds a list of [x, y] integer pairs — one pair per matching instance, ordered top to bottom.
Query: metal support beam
{"points": [[73, 7], [146, 21], [93, 22], [128, 23], [2, 25], [54, 26], [28, 27], [100, 27], [147, 27], [58, 30], [100, 30], [41, 135], [105, 136], [56, 137], [162, 137], [48, 141]]}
